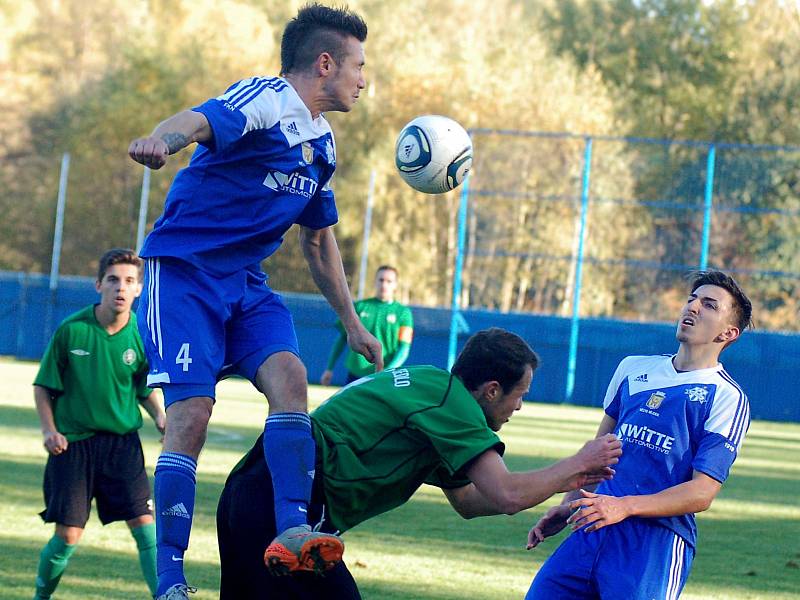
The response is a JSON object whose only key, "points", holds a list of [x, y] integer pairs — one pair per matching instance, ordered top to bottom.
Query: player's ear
{"points": [[325, 64], [98, 285], [138, 289], [729, 335], [492, 390]]}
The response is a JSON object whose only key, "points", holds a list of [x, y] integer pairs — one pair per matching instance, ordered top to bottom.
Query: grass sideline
{"points": [[749, 541]]}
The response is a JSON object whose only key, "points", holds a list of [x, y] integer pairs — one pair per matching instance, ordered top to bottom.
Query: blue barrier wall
{"points": [[764, 364]]}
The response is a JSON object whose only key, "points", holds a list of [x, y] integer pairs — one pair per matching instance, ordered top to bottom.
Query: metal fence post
{"points": [[708, 202], [143, 204], [59, 229], [57, 237], [576, 295], [456, 320]]}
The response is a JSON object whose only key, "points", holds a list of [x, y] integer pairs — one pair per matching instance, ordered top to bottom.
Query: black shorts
{"points": [[107, 467], [246, 526]]}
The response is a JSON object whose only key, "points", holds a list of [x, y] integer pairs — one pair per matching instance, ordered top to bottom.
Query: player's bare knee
{"points": [[283, 380], [187, 425], [70, 535]]}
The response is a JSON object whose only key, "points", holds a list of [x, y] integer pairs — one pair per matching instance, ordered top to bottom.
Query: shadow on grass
{"points": [[19, 417], [92, 572]]}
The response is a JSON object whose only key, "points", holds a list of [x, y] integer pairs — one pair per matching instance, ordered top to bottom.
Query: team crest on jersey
{"points": [[308, 152], [329, 152], [391, 318], [129, 356], [697, 394], [655, 400]]}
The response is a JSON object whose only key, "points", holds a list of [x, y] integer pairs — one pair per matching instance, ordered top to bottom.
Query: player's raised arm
{"points": [[169, 137], [325, 263]]}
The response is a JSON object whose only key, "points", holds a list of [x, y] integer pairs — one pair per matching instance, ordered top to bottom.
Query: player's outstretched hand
{"points": [[150, 151], [364, 343], [327, 375], [55, 443], [600, 452], [594, 460], [595, 511], [553, 521]]}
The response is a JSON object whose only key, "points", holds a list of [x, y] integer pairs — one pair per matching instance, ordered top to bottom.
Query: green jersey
{"points": [[390, 322], [96, 378], [379, 438]]}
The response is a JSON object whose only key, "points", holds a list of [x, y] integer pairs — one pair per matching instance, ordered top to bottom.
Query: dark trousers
{"points": [[246, 526]]}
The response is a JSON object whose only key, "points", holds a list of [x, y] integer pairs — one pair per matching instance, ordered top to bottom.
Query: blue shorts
{"points": [[197, 328], [635, 560]]}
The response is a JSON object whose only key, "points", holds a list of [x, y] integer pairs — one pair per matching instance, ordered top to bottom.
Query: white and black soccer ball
{"points": [[433, 154]]}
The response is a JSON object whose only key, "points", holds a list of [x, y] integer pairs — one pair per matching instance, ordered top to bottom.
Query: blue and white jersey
{"points": [[267, 166], [671, 424]]}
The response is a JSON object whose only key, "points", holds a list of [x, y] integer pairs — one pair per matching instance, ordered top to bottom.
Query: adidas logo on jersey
{"points": [[292, 128], [642, 378], [179, 510]]}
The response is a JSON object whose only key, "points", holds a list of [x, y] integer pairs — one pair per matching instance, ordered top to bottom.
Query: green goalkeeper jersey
{"points": [[390, 322], [96, 378], [379, 438]]}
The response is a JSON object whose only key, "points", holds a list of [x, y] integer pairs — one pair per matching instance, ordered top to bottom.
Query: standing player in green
{"points": [[389, 321], [91, 381], [382, 437]]}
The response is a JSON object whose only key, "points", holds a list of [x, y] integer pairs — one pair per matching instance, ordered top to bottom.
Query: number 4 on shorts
{"points": [[183, 357]]}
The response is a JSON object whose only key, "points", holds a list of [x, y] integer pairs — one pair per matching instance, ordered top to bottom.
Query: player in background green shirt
{"points": [[389, 321], [91, 381], [380, 438]]}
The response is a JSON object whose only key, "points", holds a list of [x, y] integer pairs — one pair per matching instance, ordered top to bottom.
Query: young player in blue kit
{"points": [[264, 162], [681, 420]]}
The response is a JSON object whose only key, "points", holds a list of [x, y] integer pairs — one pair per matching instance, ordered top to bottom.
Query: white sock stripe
{"points": [[289, 417], [178, 457], [177, 460]]}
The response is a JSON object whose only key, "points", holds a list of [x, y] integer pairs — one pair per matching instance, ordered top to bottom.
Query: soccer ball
{"points": [[433, 154]]}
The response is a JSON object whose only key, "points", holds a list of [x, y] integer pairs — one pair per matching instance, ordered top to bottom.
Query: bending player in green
{"points": [[389, 321], [91, 380], [382, 437]]}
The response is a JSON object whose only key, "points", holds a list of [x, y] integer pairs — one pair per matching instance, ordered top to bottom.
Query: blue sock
{"points": [[289, 451], [174, 494]]}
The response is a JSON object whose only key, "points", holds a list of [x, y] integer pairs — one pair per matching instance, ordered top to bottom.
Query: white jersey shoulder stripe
{"points": [[241, 89], [741, 420]]}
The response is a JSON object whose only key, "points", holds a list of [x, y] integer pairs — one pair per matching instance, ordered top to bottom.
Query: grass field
{"points": [[749, 540]]}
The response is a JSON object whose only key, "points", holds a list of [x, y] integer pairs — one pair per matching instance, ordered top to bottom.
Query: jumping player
{"points": [[264, 162], [91, 380], [681, 419], [379, 438]]}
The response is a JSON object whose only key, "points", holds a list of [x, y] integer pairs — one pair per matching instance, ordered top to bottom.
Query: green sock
{"points": [[145, 537], [53, 561]]}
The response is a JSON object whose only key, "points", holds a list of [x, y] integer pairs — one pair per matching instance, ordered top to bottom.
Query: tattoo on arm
{"points": [[175, 141]]}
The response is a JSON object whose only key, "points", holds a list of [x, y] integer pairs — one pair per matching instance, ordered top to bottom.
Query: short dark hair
{"points": [[317, 29], [118, 256], [387, 268], [742, 308], [494, 355]]}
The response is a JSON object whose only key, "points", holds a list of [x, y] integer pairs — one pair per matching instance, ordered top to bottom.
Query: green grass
{"points": [[749, 540]]}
